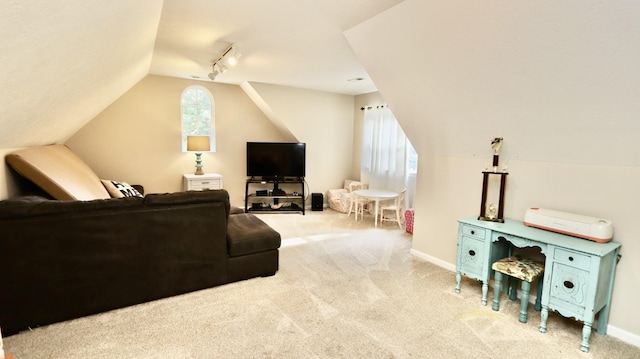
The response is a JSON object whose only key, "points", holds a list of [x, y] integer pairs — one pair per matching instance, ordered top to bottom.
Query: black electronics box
{"points": [[263, 192], [317, 200]]}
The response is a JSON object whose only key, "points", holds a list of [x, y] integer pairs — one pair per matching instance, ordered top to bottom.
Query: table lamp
{"points": [[198, 144]]}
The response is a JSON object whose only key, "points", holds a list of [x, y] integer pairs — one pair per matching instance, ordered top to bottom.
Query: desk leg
{"points": [[458, 280], [544, 315], [603, 319], [586, 333]]}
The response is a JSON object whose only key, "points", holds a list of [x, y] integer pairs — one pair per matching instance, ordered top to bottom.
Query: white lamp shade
{"points": [[198, 143]]}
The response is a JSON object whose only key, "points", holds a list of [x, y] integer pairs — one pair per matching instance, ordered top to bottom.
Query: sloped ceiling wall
{"points": [[63, 62], [557, 79]]}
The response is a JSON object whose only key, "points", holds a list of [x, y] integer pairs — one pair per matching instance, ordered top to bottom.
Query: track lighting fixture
{"points": [[221, 64]]}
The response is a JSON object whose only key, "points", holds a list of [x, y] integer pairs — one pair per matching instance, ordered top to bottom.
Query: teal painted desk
{"points": [[578, 276]]}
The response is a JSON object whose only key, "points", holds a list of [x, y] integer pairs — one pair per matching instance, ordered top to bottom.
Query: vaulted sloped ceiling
{"points": [[289, 43], [63, 62], [557, 79]]}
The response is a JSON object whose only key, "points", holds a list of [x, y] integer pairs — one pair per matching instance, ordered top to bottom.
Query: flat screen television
{"points": [[276, 160]]}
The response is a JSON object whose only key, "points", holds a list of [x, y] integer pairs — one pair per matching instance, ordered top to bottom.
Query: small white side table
{"points": [[191, 182]]}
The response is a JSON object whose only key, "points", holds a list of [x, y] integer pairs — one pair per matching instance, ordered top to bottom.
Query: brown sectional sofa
{"points": [[66, 258]]}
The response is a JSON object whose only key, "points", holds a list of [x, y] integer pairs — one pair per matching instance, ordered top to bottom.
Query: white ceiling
{"points": [[284, 42], [63, 62]]}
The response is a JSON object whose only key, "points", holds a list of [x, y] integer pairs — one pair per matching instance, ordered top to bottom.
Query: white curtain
{"points": [[384, 151]]}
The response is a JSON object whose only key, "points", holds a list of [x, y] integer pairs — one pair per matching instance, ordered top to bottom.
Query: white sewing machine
{"points": [[595, 229]]}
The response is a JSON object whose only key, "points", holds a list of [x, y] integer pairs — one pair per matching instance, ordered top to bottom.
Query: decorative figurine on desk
{"points": [[491, 212]]}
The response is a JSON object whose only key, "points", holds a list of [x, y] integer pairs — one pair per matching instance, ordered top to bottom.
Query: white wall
{"points": [[558, 80], [324, 121], [138, 138]]}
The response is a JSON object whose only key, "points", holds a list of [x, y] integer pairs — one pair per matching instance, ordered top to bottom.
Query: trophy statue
{"points": [[496, 143], [492, 212]]}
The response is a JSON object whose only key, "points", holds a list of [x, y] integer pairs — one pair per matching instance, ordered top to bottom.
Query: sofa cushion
{"points": [[59, 172], [120, 189], [33, 206], [248, 234], [518, 267]]}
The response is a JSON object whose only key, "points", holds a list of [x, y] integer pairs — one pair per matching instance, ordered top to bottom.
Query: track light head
{"points": [[232, 56], [229, 58], [219, 67]]}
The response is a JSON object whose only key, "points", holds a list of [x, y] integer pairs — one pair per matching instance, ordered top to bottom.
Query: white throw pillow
{"points": [[120, 189]]}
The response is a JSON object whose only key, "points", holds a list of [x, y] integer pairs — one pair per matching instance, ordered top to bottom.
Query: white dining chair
{"points": [[361, 202], [393, 212]]}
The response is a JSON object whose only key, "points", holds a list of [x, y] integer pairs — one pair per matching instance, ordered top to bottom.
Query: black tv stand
{"points": [[275, 199]]}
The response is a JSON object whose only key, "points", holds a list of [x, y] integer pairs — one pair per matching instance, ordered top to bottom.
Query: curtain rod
{"points": [[371, 107]]}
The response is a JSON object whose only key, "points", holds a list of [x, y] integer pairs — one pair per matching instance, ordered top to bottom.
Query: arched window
{"points": [[198, 115]]}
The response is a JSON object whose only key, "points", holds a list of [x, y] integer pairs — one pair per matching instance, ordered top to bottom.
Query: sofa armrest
{"points": [[248, 234]]}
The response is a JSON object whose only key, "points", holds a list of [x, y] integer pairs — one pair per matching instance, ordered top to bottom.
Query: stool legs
{"points": [[517, 268], [513, 288], [496, 291], [524, 301], [538, 306]]}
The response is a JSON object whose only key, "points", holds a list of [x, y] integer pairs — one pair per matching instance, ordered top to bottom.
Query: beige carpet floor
{"points": [[344, 290]]}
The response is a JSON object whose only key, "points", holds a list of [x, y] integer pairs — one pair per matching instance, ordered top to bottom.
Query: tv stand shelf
{"points": [[258, 198]]}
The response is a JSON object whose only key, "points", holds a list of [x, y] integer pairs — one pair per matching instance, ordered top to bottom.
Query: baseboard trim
{"points": [[434, 260], [612, 330], [623, 335]]}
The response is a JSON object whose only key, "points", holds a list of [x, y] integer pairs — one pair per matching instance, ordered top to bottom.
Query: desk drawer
{"points": [[204, 184], [473, 231], [472, 254], [574, 259], [569, 289]]}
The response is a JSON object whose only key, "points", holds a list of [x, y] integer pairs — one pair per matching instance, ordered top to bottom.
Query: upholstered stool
{"points": [[527, 271]]}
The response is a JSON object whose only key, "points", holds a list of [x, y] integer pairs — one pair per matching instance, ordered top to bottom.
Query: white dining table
{"points": [[376, 195]]}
